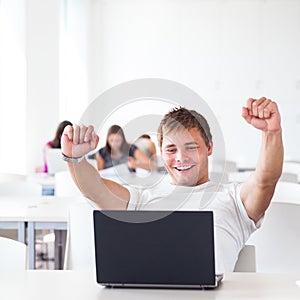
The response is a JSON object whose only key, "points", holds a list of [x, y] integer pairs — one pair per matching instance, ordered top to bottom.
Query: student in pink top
{"points": [[55, 142]]}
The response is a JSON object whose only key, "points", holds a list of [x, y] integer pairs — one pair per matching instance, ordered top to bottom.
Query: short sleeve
{"points": [[132, 150], [102, 153], [134, 198], [249, 225]]}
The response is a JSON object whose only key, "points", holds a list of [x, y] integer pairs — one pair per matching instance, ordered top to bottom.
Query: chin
{"points": [[185, 182]]}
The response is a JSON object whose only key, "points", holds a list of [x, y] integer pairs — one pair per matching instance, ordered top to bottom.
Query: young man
{"points": [[185, 142]]}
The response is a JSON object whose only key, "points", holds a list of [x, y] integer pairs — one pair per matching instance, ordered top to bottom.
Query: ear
{"points": [[210, 148]]}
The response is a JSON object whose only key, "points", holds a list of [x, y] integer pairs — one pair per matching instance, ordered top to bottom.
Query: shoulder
{"points": [[49, 144], [133, 146], [132, 149], [102, 151], [231, 187], [227, 192]]}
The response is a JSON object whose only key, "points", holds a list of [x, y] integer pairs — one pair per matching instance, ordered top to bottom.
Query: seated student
{"points": [[55, 142], [185, 143], [145, 144], [118, 151]]}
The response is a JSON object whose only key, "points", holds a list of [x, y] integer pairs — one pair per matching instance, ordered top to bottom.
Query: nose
{"points": [[181, 156]]}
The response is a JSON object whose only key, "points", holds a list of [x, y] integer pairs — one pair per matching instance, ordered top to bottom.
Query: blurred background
{"points": [[57, 56]]}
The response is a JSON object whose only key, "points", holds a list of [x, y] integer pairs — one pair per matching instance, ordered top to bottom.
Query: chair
{"points": [[222, 166], [230, 166], [292, 167], [244, 175], [240, 176], [218, 177], [289, 177], [15, 189], [18, 189], [287, 192], [277, 242], [80, 249], [12, 255], [247, 260]]}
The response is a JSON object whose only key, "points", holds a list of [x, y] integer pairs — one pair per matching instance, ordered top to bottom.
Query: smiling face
{"points": [[185, 155]]}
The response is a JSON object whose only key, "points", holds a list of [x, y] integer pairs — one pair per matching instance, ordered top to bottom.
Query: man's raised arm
{"points": [[76, 142], [258, 190]]}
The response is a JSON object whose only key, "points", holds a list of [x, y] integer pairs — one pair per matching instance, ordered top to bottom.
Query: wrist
{"points": [[72, 160]]}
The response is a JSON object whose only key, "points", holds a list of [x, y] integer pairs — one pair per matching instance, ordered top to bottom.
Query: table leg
{"points": [[21, 232], [31, 244], [60, 245]]}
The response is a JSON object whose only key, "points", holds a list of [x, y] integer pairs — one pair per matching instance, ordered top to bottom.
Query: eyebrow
{"points": [[190, 143], [186, 144], [170, 146]]}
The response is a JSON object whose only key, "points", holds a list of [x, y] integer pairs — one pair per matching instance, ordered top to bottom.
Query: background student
{"points": [[55, 142], [145, 144], [118, 151]]}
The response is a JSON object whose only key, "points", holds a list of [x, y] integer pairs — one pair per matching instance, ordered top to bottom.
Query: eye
{"points": [[191, 148], [170, 150]]}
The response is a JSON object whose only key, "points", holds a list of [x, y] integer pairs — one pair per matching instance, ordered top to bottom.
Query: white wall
{"points": [[226, 51], [42, 53], [12, 86]]}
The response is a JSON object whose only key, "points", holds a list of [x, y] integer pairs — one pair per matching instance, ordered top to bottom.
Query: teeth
{"points": [[183, 168]]}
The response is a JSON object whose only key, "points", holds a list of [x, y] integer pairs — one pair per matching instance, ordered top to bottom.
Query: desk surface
{"points": [[36, 209], [39, 212], [56, 285]]}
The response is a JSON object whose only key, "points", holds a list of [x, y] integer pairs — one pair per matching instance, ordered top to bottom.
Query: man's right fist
{"points": [[77, 141]]}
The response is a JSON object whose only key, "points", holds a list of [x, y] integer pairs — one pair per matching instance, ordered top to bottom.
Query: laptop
{"points": [[54, 162], [156, 249]]}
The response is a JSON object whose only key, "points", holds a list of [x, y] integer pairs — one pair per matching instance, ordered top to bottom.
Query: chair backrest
{"points": [[221, 166], [230, 166], [292, 167], [244, 175], [239, 176], [289, 177], [64, 185], [20, 188], [287, 192], [277, 242], [80, 249], [12, 255], [247, 260]]}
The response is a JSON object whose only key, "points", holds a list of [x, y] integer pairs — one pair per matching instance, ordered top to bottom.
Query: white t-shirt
{"points": [[232, 224]]}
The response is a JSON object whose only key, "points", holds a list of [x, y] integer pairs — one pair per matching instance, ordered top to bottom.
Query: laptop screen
{"points": [[54, 162], [176, 249]]}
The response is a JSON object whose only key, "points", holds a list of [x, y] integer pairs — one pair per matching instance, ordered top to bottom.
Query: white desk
{"points": [[46, 180], [36, 212], [61, 285]]}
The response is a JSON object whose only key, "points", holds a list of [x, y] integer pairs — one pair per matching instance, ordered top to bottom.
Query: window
{"points": [[12, 86]]}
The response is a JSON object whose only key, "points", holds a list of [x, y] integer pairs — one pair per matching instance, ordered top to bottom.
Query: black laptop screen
{"points": [[176, 249]]}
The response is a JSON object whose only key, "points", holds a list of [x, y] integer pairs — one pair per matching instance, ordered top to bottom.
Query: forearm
{"points": [[270, 161], [258, 190], [107, 194]]}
